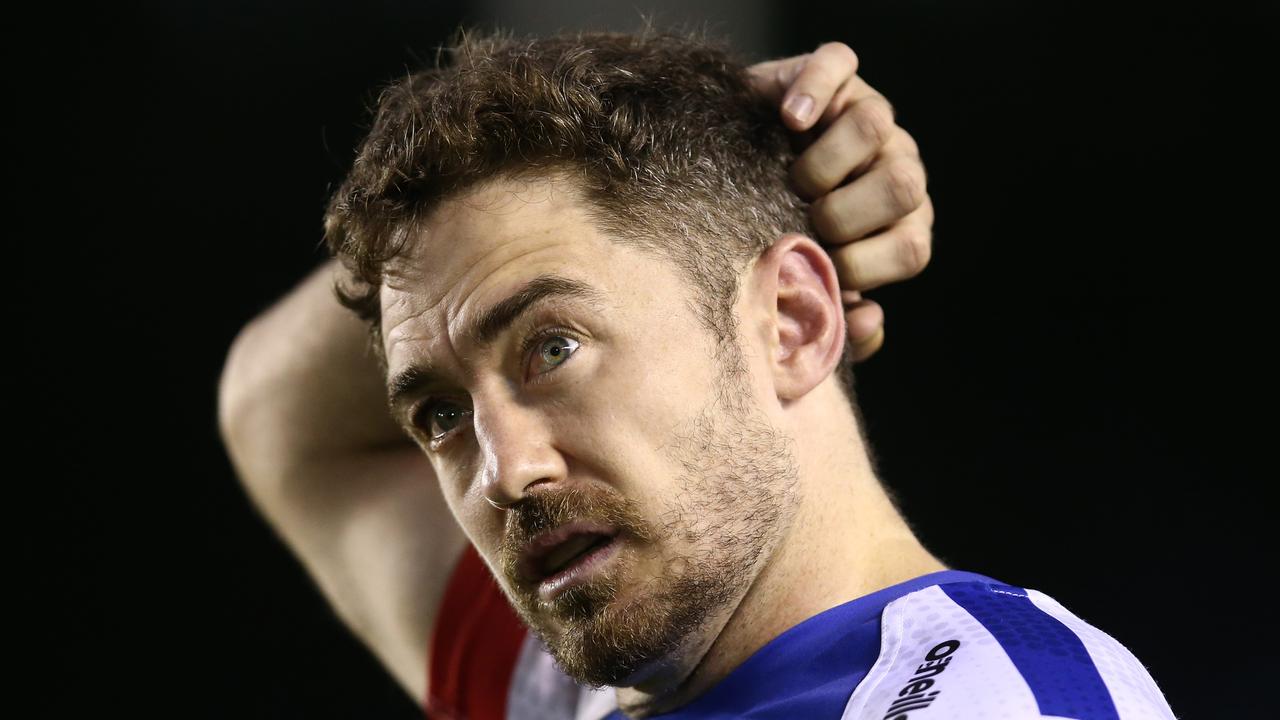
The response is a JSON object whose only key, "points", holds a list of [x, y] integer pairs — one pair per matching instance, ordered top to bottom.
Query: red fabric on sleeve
{"points": [[474, 647]]}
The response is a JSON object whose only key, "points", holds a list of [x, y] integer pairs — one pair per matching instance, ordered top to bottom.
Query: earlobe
{"points": [[809, 317]]}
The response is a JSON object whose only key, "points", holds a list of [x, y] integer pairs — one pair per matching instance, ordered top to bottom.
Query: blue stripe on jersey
{"points": [[1050, 657], [810, 670]]}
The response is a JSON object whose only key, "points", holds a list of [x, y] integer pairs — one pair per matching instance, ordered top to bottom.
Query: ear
{"points": [[799, 293]]}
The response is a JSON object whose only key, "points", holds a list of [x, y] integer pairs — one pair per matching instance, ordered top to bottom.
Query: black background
{"points": [[1073, 397]]}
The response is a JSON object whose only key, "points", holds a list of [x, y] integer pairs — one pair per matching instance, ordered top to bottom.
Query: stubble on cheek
{"points": [[733, 503]]}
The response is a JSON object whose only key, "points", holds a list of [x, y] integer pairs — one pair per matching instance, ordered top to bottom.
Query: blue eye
{"points": [[556, 349], [439, 417]]}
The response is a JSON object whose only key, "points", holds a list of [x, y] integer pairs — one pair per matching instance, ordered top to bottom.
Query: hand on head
{"points": [[862, 175]]}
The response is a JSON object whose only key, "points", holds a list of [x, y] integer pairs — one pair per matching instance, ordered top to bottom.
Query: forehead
{"points": [[479, 248]]}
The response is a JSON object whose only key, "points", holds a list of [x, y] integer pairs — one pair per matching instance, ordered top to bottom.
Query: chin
{"points": [[627, 644], [648, 672]]}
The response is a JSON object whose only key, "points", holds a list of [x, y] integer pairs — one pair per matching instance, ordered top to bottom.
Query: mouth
{"points": [[567, 555]]}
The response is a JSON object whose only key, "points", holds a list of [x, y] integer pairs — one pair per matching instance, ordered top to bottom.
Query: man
{"points": [[602, 318]]}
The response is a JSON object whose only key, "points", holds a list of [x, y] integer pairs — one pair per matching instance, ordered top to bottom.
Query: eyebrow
{"points": [[487, 327]]}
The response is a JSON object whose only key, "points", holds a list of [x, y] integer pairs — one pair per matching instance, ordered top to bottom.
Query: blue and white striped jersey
{"points": [[950, 645]]}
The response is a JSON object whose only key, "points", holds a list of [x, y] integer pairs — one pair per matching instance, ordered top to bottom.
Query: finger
{"points": [[773, 77], [817, 83], [853, 90], [849, 144], [893, 188], [900, 252], [865, 322], [864, 350]]}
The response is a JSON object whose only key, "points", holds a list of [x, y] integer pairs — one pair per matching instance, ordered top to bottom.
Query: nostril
{"points": [[536, 483]]}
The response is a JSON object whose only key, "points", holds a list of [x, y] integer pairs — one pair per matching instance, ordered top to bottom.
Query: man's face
{"points": [[624, 488]]}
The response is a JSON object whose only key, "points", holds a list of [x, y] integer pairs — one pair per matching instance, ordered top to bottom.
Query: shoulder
{"points": [[988, 650]]}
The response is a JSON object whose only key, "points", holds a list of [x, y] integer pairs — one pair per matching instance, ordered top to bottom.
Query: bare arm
{"points": [[303, 415]]}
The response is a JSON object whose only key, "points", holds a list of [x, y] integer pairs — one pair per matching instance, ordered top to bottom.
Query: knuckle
{"points": [[840, 51], [833, 63], [783, 74], [893, 112], [874, 122], [908, 144], [817, 172], [905, 187], [927, 212], [828, 221], [914, 249], [847, 268]]}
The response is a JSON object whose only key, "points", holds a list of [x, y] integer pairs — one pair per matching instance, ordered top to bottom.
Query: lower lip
{"points": [[579, 572]]}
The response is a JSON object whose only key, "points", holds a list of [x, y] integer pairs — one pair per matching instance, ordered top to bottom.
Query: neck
{"points": [[846, 540]]}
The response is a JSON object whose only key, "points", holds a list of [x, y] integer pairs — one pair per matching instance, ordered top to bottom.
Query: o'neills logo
{"points": [[916, 695]]}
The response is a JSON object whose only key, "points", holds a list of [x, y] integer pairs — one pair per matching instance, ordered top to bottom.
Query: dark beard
{"points": [[736, 502], [595, 638], [607, 641]]}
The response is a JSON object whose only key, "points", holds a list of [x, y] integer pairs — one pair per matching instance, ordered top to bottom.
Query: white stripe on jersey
{"points": [[978, 680], [1132, 688]]}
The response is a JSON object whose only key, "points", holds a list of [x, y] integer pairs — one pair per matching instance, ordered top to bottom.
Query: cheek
{"points": [[638, 392], [623, 414]]}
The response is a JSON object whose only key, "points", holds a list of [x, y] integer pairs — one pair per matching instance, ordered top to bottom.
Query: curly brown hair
{"points": [[662, 135]]}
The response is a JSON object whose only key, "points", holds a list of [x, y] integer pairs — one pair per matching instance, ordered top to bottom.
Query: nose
{"points": [[517, 451]]}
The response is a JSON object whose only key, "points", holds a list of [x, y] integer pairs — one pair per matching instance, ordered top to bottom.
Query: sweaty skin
{"points": [[753, 486]]}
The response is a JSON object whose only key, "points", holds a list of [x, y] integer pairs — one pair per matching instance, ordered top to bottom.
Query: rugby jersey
{"points": [[949, 645]]}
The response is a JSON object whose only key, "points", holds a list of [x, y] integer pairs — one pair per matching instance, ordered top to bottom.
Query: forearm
{"points": [[301, 379], [302, 410], [303, 414]]}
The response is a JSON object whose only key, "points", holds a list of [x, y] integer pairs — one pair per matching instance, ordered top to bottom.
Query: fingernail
{"points": [[799, 107]]}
